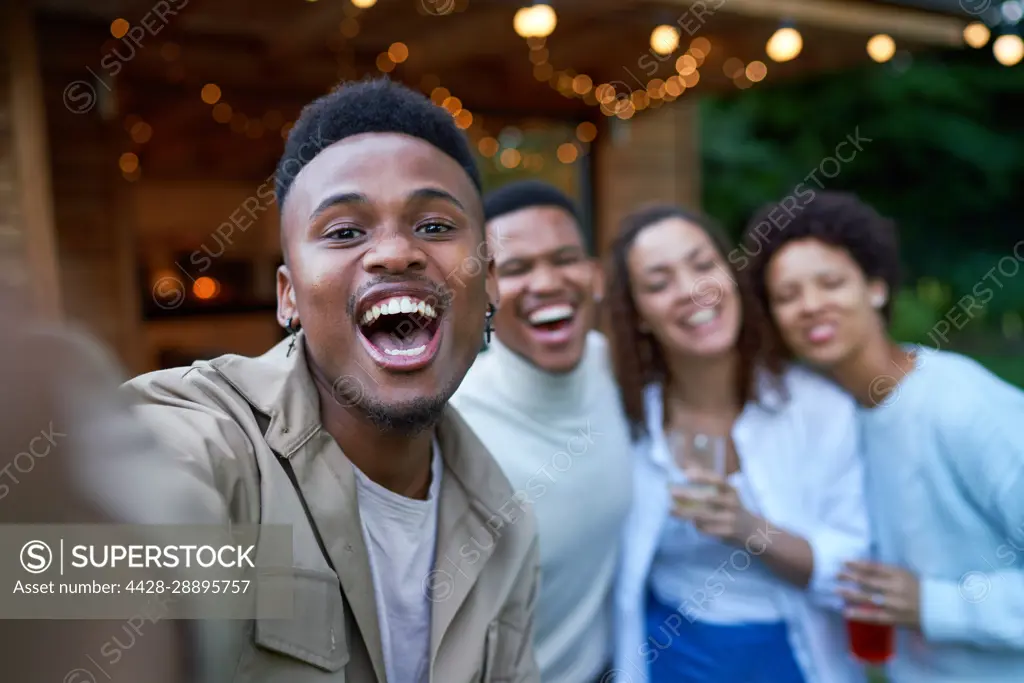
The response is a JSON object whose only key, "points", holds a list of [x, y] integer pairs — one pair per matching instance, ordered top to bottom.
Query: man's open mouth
{"points": [[553, 324], [400, 331]]}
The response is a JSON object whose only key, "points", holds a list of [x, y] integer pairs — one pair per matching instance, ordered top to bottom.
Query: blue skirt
{"points": [[685, 652]]}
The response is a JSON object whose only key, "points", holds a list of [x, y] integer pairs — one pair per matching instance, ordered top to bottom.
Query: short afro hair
{"points": [[370, 106], [525, 194], [839, 219]]}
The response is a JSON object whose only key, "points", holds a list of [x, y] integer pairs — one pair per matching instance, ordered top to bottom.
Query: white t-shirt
{"points": [[400, 534], [690, 565]]}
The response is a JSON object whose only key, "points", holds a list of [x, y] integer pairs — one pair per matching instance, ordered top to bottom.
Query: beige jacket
{"points": [[486, 571]]}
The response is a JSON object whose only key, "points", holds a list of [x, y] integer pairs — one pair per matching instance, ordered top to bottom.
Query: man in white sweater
{"points": [[543, 400]]}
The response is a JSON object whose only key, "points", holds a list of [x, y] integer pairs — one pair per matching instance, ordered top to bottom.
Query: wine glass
{"points": [[695, 451]]}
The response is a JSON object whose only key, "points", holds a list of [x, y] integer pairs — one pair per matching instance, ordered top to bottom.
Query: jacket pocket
{"points": [[315, 634], [490, 652]]}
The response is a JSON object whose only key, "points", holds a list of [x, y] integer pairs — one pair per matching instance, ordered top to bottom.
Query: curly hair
{"points": [[839, 219], [637, 357]]}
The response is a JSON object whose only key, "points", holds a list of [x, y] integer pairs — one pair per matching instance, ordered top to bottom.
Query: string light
{"points": [[538, 21], [542, 23], [119, 28], [976, 34], [665, 39], [785, 44], [702, 45], [881, 48], [1008, 49], [398, 52], [384, 63], [686, 64], [732, 67], [756, 71], [582, 84], [211, 93], [604, 96], [222, 112], [586, 131], [141, 132], [488, 146], [567, 153], [510, 158], [129, 162], [205, 287]]}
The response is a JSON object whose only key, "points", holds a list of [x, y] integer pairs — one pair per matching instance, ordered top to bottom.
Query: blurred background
{"points": [[137, 138]]}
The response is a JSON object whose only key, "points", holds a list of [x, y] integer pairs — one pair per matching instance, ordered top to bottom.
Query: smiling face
{"points": [[387, 272], [547, 285], [683, 290], [821, 302]]}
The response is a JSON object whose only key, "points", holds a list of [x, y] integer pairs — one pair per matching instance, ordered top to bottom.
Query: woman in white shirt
{"points": [[737, 586]]}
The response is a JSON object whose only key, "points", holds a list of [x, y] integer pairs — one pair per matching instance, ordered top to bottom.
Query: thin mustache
{"points": [[441, 294]]}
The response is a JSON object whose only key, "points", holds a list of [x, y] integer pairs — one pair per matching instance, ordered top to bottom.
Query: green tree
{"points": [[942, 154]]}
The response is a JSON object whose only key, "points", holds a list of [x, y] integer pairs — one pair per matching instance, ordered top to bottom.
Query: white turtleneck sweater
{"points": [[563, 443]]}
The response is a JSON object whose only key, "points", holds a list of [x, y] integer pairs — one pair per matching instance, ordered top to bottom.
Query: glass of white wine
{"points": [[695, 451]]}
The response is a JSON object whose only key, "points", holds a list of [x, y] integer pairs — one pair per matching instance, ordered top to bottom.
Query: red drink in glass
{"points": [[871, 643]]}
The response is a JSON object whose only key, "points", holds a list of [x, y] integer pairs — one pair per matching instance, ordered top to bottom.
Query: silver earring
{"points": [[293, 328], [488, 328]]}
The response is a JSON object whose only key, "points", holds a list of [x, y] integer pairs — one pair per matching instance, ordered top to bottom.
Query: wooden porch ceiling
{"points": [[296, 45], [279, 54]]}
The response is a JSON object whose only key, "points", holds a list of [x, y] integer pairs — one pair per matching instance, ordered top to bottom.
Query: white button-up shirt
{"points": [[800, 457]]}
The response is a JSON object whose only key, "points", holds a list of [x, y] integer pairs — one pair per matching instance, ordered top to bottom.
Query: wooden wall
{"points": [[654, 157], [194, 217], [95, 243], [12, 250], [27, 258]]}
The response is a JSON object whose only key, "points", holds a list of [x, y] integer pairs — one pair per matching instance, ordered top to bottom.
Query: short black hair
{"points": [[370, 106], [525, 194], [840, 219]]}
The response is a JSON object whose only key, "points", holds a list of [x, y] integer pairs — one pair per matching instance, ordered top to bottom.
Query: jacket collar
{"points": [[280, 386]]}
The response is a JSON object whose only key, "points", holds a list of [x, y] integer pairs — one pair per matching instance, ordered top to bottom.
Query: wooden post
{"points": [[653, 157], [30, 159]]}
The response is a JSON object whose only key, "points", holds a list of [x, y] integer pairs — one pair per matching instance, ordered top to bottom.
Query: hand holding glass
{"points": [[871, 643]]}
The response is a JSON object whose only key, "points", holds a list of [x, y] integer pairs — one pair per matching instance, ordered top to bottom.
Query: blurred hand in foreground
{"points": [[58, 409]]}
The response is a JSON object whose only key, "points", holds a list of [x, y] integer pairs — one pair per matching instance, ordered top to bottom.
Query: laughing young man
{"points": [[544, 401], [943, 448], [410, 573]]}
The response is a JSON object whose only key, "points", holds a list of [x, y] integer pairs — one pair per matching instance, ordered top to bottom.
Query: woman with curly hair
{"points": [[941, 437], [740, 557]]}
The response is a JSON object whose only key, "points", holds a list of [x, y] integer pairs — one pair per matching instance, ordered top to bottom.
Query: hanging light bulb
{"points": [[364, 4], [1011, 11], [537, 21], [976, 34], [665, 39], [785, 44], [881, 48], [1008, 49]]}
